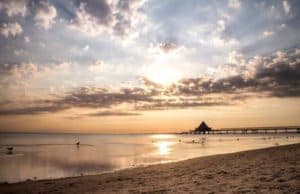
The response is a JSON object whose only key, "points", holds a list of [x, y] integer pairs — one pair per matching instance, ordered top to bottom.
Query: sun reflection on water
{"points": [[162, 136], [164, 147]]}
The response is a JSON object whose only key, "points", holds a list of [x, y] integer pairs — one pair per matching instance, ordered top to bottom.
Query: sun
{"points": [[162, 71], [164, 75]]}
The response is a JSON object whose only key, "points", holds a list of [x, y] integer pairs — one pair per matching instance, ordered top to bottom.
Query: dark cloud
{"points": [[127, 5], [100, 10], [127, 11], [44, 13], [92, 17], [122, 26], [167, 46], [276, 79], [92, 97], [101, 98], [165, 105], [32, 110], [112, 113]]}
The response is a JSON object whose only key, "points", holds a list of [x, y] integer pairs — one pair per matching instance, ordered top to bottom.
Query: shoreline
{"points": [[133, 167], [186, 175]]}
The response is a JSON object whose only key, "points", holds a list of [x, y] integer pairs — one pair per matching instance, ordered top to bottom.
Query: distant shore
{"points": [[269, 170]]}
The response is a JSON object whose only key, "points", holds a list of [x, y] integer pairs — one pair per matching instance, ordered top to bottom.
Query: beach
{"points": [[268, 170]]}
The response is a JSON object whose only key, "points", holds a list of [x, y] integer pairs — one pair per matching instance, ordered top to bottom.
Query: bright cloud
{"points": [[235, 4], [286, 6], [14, 7], [45, 15], [10, 29], [267, 34], [27, 39]]}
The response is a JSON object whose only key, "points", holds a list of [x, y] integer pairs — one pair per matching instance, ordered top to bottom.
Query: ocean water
{"points": [[47, 156]]}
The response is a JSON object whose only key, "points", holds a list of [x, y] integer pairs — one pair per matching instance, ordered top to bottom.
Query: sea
{"points": [[50, 156]]}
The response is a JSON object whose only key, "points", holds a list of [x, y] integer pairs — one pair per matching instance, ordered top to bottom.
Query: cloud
{"points": [[235, 4], [286, 6], [14, 7], [100, 11], [44, 15], [128, 16], [92, 17], [114, 17], [221, 26], [10, 29], [267, 34], [215, 37], [27, 39], [219, 42], [167, 46], [19, 52], [236, 58], [98, 66], [29, 69], [18, 70], [276, 75], [21, 78], [149, 83], [87, 97], [94, 97], [165, 105], [31, 110], [112, 113]]}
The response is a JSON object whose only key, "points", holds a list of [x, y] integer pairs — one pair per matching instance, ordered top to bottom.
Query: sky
{"points": [[148, 66]]}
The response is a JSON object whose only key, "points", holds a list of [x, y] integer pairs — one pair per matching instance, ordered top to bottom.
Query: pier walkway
{"points": [[250, 131]]}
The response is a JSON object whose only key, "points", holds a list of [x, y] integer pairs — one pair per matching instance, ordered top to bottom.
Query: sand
{"points": [[271, 170]]}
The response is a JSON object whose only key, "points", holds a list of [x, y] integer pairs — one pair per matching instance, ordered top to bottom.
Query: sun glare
{"points": [[162, 71], [164, 76], [164, 147]]}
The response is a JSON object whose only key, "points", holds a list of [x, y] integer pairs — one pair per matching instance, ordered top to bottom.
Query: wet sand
{"points": [[270, 170]]}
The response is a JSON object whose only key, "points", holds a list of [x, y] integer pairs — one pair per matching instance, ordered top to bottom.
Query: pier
{"points": [[250, 131]]}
